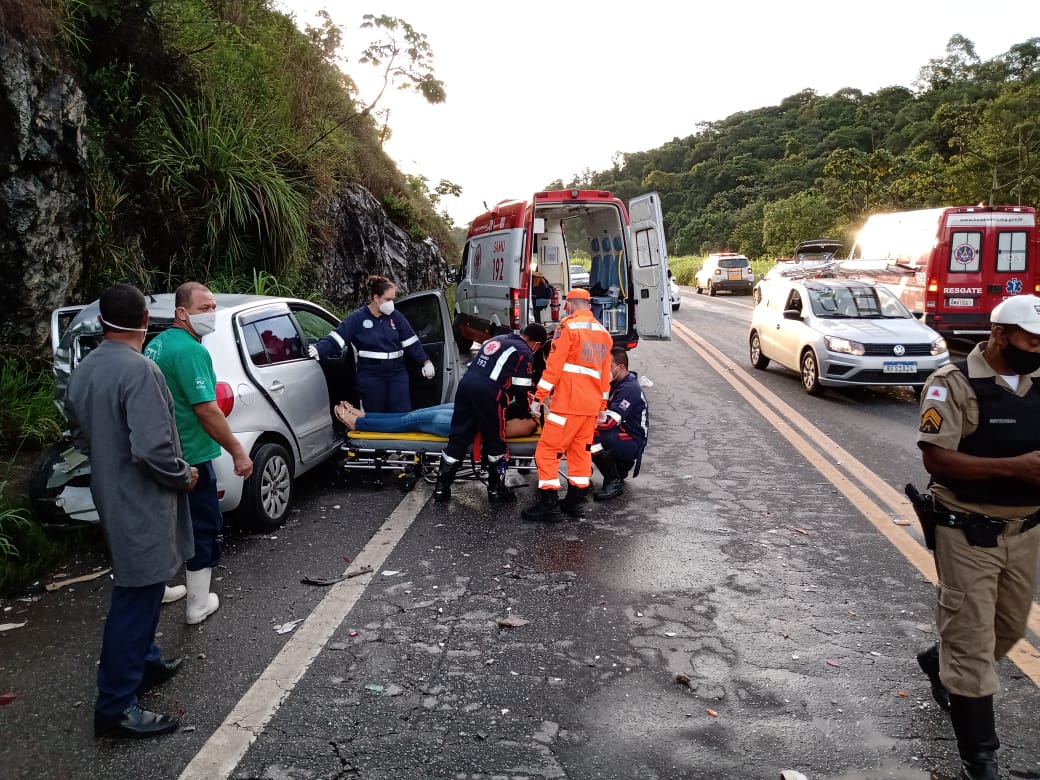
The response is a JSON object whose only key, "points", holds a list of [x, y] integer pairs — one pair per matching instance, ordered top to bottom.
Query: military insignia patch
{"points": [[931, 421]]}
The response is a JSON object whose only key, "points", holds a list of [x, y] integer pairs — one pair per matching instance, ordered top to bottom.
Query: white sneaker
{"points": [[174, 593]]}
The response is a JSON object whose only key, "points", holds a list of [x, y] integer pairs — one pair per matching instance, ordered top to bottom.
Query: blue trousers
{"points": [[383, 388], [206, 520], [127, 644]]}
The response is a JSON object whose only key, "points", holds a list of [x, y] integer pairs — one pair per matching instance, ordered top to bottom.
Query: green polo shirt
{"points": [[188, 369]]}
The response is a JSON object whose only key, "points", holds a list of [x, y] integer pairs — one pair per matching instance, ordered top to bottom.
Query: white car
{"points": [[725, 271], [673, 292], [839, 333], [276, 398]]}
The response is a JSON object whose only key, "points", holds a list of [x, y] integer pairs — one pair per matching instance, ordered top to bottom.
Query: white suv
{"points": [[725, 271]]}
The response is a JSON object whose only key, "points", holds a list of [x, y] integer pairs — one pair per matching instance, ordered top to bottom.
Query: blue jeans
{"points": [[435, 420]]}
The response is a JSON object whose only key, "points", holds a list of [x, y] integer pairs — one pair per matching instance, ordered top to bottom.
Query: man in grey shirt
{"points": [[121, 415]]}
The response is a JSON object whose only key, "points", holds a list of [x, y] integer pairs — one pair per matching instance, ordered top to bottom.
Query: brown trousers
{"points": [[985, 594]]}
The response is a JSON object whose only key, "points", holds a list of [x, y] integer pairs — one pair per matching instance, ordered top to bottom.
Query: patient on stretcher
{"points": [[434, 420]]}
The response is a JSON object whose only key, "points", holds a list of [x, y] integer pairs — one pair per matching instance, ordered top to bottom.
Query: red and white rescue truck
{"points": [[517, 240], [951, 265]]}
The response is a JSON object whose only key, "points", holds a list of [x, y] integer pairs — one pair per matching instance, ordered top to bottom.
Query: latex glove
{"points": [[312, 350], [427, 370], [536, 409], [601, 418]]}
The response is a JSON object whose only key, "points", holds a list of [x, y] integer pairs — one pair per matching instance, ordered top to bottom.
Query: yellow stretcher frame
{"points": [[411, 456]]}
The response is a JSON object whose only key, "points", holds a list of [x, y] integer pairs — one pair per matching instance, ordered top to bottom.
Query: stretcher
{"points": [[409, 457]]}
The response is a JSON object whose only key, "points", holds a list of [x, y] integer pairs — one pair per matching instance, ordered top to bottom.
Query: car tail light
{"points": [[933, 285], [514, 314], [225, 398]]}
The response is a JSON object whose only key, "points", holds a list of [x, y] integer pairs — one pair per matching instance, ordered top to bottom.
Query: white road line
{"points": [[225, 748]]}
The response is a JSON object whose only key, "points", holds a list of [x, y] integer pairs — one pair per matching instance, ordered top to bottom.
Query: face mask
{"points": [[387, 307], [203, 323], [108, 324], [1021, 361]]}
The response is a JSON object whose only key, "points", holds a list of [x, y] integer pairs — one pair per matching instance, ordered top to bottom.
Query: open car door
{"points": [[650, 268], [428, 314]]}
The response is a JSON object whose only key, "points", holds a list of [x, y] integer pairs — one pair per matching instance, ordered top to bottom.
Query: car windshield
{"points": [[577, 269], [839, 301]]}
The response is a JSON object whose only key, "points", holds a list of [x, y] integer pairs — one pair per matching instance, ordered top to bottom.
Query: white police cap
{"points": [[1020, 310]]}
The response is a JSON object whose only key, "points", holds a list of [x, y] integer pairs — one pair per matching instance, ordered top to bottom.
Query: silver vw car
{"points": [[839, 333], [277, 400]]}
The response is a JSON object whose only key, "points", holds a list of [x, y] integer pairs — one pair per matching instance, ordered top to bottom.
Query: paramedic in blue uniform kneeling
{"points": [[381, 337], [500, 372], [622, 430]]}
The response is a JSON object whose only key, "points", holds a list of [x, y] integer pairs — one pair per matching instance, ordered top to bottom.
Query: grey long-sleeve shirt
{"points": [[121, 415]]}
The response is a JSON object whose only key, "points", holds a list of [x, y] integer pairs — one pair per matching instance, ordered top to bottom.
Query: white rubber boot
{"points": [[174, 593], [201, 603]]}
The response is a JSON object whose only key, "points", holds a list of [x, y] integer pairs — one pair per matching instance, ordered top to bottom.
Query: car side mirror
{"points": [[792, 314], [918, 315]]}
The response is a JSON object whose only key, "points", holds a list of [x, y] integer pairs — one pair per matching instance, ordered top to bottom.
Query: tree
{"points": [[403, 55]]}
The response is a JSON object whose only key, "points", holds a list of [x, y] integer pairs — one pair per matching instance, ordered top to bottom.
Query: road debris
{"points": [[358, 572], [73, 580], [322, 580], [512, 622], [10, 626], [285, 628], [7, 698], [791, 774]]}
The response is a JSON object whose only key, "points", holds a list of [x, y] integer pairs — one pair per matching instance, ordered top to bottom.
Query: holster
{"points": [[924, 508]]}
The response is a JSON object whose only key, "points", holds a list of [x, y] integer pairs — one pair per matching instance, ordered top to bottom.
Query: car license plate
{"points": [[735, 276], [960, 301], [899, 368]]}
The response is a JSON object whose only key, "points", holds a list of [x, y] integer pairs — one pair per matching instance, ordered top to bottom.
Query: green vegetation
{"points": [[220, 133], [762, 180], [27, 411]]}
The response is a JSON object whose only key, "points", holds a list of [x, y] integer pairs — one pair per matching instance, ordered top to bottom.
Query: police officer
{"points": [[380, 336], [501, 369], [577, 374], [621, 436], [980, 441]]}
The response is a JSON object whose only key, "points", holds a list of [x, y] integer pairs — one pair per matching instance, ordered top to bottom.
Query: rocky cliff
{"points": [[46, 224]]}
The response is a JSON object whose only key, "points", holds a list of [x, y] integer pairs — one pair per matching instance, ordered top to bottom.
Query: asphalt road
{"points": [[751, 605]]}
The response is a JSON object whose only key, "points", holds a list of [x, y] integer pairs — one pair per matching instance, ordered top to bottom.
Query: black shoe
{"points": [[611, 489], [442, 490], [500, 495], [573, 501], [545, 510], [928, 660], [158, 672], [134, 723], [981, 766]]}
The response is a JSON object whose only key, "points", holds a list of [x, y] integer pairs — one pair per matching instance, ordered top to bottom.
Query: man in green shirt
{"points": [[203, 430]]}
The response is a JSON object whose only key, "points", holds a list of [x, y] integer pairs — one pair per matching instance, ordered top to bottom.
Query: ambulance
{"points": [[515, 245], [951, 265]]}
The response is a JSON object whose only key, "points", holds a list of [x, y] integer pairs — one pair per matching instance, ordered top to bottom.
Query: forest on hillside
{"points": [[219, 131], [761, 180]]}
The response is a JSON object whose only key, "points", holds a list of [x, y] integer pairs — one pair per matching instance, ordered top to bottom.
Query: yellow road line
{"points": [[813, 444]]}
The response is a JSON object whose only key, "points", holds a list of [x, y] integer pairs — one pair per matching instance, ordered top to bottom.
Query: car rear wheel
{"points": [[697, 287], [711, 289], [675, 307], [758, 360], [811, 373], [267, 494]]}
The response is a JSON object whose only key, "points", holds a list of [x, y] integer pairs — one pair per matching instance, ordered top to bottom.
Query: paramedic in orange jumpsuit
{"points": [[574, 389]]}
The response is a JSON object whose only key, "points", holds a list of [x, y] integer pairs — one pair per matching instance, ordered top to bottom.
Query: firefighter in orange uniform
{"points": [[577, 376]]}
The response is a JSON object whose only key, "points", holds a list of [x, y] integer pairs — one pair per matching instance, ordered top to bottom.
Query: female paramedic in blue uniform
{"points": [[380, 337]]}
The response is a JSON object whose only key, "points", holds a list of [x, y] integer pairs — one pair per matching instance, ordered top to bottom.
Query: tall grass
{"points": [[223, 170], [27, 410]]}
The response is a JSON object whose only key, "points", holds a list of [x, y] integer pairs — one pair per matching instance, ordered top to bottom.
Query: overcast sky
{"points": [[545, 89]]}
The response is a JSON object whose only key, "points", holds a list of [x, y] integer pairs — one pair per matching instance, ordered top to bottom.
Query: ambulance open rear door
{"points": [[650, 268]]}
